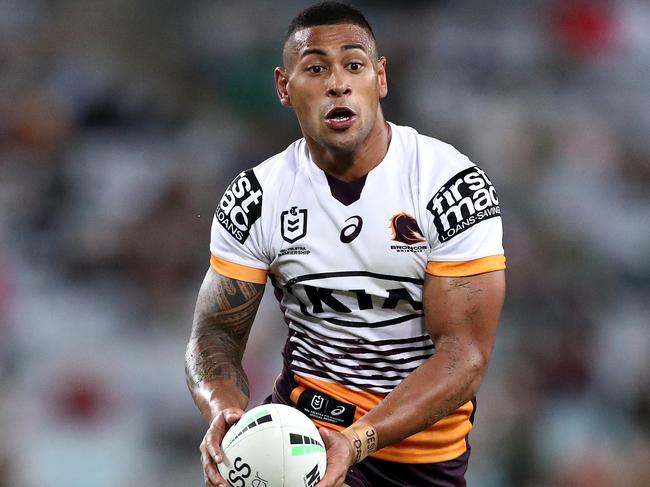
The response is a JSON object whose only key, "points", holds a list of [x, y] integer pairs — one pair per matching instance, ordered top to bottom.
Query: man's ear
{"points": [[381, 75], [281, 82]]}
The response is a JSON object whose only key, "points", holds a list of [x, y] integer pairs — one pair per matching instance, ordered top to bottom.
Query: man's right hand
{"points": [[211, 445]]}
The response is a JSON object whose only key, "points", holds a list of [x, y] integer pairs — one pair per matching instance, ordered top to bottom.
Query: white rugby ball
{"points": [[273, 446]]}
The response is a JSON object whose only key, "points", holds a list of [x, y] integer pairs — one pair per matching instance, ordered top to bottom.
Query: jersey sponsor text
{"points": [[465, 200], [240, 206], [352, 305]]}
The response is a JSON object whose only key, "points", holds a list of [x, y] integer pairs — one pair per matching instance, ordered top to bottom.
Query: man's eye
{"points": [[354, 66], [315, 69]]}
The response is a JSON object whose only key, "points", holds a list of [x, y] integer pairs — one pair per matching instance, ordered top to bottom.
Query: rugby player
{"points": [[384, 248]]}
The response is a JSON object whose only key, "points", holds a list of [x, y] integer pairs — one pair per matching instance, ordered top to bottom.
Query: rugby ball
{"points": [[273, 446]]}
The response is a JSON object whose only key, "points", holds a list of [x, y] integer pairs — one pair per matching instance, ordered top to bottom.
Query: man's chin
{"points": [[342, 140]]}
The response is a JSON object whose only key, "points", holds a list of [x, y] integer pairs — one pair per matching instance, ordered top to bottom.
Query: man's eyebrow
{"points": [[354, 46], [312, 50], [321, 52]]}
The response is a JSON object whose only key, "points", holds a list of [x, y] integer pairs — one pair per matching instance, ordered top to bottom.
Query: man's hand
{"points": [[211, 445], [340, 457]]}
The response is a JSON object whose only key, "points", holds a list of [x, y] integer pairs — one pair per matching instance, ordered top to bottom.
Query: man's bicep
{"points": [[226, 302], [464, 310], [224, 314]]}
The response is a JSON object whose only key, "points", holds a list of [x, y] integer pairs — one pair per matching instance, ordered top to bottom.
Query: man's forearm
{"points": [[224, 314], [214, 374], [442, 384]]}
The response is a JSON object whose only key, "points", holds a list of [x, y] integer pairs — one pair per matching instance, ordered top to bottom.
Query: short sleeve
{"points": [[465, 231], [236, 240]]}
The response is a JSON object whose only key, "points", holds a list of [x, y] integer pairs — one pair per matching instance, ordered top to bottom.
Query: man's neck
{"points": [[350, 166]]}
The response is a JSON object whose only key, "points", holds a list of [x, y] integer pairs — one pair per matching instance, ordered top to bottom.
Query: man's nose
{"points": [[338, 84]]}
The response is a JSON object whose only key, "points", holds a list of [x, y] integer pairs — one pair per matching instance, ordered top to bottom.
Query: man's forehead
{"points": [[328, 37]]}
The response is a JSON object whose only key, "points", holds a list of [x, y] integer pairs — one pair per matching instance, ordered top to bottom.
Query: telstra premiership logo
{"points": [[293, 224]]}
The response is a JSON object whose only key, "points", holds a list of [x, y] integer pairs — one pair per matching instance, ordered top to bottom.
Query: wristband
{"points": [[363, 437]]}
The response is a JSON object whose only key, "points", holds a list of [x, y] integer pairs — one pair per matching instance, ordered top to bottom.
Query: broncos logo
{"points": [[405, 229]]}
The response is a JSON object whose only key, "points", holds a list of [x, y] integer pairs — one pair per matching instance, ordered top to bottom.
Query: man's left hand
{"points": [[340, 457]]}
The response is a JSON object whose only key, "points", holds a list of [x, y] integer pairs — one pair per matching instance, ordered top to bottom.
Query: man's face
{"points": [[333, 80]]}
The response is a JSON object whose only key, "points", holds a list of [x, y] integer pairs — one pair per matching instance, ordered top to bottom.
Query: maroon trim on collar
{"points": [[346, 192]]}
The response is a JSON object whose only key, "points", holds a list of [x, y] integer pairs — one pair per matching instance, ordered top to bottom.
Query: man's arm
{"points": [[224, 314], [461, 315]]}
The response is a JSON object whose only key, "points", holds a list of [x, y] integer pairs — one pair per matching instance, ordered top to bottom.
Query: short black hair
{"points": [[328, 13]]}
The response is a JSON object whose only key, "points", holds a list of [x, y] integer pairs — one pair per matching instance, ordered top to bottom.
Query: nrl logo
{"points": [[293, 224]]}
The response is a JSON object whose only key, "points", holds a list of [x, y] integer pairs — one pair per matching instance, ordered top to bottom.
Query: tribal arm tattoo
{"points": [[224, 314]]}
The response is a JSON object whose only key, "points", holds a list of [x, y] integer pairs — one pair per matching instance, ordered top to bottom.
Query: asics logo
{"points": [[351, 231], [337, 411]]}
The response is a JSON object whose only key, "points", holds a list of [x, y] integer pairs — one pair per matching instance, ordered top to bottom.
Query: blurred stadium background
{"points": [[122, 121]]}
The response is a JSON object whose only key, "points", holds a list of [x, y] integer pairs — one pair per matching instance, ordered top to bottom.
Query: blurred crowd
{"points": [[121, 123]]}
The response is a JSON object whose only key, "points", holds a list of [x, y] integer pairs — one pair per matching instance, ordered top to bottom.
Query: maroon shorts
{"points": [[372, 472], [379, 473]]}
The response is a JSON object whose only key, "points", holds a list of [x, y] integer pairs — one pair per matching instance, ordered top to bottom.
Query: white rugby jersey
{"points": [[350, 276]]}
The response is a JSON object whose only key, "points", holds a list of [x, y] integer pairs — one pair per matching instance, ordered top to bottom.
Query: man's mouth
{"points": [[340, 118]]}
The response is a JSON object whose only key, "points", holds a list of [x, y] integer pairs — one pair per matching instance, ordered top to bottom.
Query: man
{"points": [[384, 247]]}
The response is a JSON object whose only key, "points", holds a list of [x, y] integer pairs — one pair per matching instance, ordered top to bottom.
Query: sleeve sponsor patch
{"points": [[465, 200], [240, 206]]}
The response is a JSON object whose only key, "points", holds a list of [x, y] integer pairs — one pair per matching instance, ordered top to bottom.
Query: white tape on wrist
{"points": [[363, 437]]}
